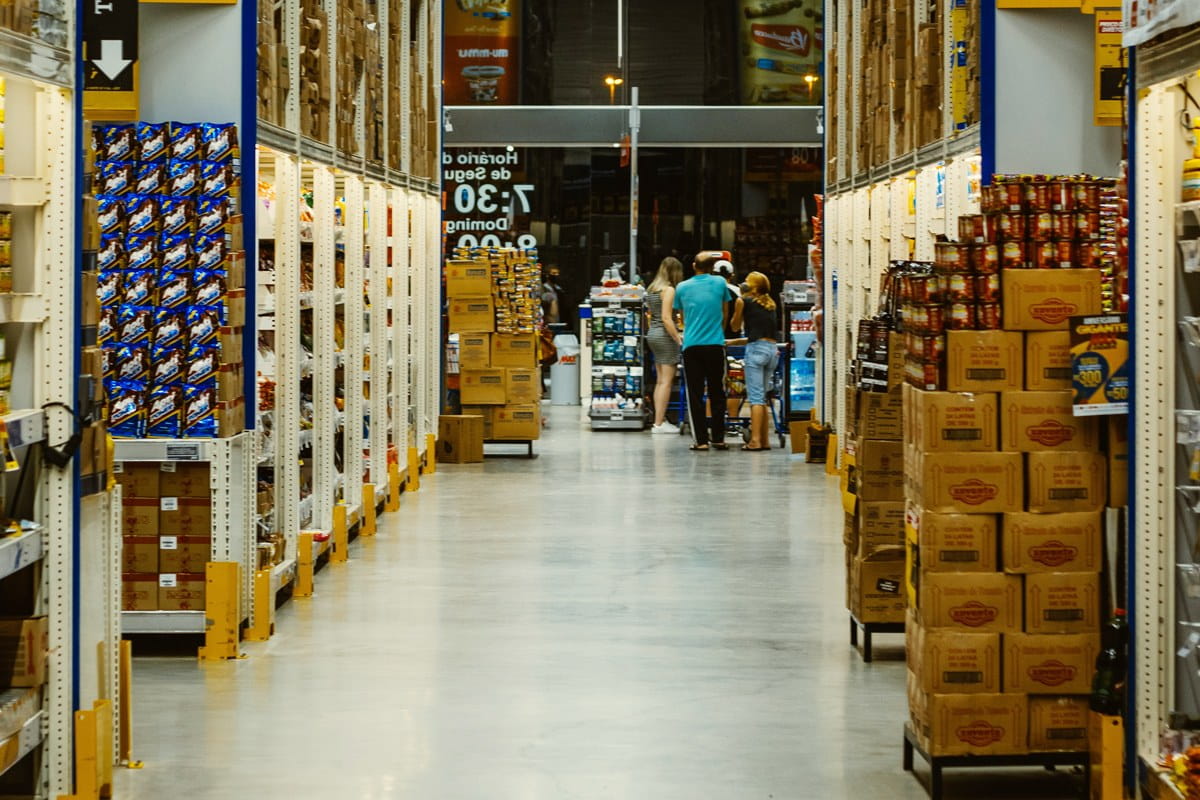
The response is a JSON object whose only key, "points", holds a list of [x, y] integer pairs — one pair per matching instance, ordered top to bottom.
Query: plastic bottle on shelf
{"points": [[1108, 682]]}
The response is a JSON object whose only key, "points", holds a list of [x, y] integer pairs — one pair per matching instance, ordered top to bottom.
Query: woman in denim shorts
{"points": [[755, 311]]}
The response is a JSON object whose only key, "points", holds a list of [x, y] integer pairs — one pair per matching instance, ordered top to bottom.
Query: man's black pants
{"points": [[705, 364]]}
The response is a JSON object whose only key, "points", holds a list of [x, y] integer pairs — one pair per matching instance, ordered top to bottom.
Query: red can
{"points": [[1062, 196], [1087, 196], [1012, 197], [1037, 197], [1064, 225], [1087, 225], [1011, 226], [1041, 226], [973, 228], [1066, 254], [1013, 255], [1045, 255], [1088, 255], [951, 256], [985, 258], [960, 287], [987, 288], [924, 289], [988, 316], [960, 317], [914, 319], [935, 319], [926, 348], [925, 375]]}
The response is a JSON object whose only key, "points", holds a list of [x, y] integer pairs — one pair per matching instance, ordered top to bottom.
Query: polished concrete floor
{"points": [[619, 618]]}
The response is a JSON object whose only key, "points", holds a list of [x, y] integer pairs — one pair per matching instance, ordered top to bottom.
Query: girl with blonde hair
{"points": [[755, 311], [664, 338]]}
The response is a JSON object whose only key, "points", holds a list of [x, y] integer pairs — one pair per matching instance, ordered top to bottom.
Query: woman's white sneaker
{"points": [[666, 427]]}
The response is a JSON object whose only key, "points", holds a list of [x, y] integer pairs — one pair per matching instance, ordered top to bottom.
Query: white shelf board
{"points": [[27, 57], [24, 192], [27, 308], [25, 427], [164, 449], [18, 552], [282, 574], [162, 622], [22, 743]]}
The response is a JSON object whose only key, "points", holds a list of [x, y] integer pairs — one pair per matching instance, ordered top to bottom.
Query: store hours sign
{"points": [[488, 199]]}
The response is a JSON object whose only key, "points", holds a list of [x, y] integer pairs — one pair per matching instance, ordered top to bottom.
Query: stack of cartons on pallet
{"points": [[314, 71], [273, 74], [494, 307]]}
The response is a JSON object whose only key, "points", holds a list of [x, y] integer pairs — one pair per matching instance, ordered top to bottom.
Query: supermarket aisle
{"points": [[571, 627]]}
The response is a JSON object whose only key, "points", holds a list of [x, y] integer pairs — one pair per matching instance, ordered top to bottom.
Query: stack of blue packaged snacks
{"points": [[167, 195]]}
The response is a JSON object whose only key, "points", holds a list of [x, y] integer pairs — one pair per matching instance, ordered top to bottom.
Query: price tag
{"points": [[614, 303], [631, 341], [635, 372], [617, 416], [183, 452], [167, 466], [118, 467], [168, 504], [168, 543], [167, 581]]}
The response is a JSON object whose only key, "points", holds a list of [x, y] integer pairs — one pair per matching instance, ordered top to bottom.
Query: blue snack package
{"points": [[219, 140], [151, 141], [184, 142], [119, 144], [116, 177], [150, 178], [183, 178], [217, 179], [111, 209], [141, 214], [178, 215], [212, 215], [142, 251], [211, 251], [175, 253], [111, 254], [141, 286], [110, 287], [208, 287], [174, 289], [135, 324], [203, 325], [106, 328], [169, 328], [203, 361], [108, 362], [131, 363], [167, 365], [126, 408], [200, 410], [164, 415]]}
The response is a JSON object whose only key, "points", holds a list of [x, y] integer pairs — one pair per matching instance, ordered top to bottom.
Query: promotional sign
{"points": [[1145, 19], [782, 45], [482, 52], [110, 60], [1110, 68], [488, 202], [1100, 364]]}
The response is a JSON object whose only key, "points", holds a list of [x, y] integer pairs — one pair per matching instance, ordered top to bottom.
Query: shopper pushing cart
{"points": [[703, 301]]}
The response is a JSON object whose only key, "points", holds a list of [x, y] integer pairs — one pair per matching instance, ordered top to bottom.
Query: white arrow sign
{"points": [[112, 61]]}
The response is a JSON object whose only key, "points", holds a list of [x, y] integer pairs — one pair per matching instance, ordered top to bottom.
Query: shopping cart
{"points": [[735, 395]]}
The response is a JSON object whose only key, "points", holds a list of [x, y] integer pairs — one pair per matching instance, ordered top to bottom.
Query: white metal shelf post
{"points": [[404, 113], [378, 289], [433, 315], [417, 324], [287, 351], [324, 357], [401, 374], [352, 457], [232, 465]]}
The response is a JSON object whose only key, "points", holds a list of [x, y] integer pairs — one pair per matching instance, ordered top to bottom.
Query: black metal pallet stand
{"points": [[527, 442], [869, 629], [939, 763]]}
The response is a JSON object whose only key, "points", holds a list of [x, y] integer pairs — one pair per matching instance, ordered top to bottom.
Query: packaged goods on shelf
{"points": [[172, 276]]}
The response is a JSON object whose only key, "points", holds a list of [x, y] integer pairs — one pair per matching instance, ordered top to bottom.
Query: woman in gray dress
{"points": [[664, 338]]}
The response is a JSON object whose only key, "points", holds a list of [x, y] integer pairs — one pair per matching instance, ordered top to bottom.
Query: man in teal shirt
{"points": [[704, 302]]}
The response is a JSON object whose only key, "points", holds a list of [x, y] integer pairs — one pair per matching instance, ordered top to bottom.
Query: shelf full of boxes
{"points": [[38, 265]]}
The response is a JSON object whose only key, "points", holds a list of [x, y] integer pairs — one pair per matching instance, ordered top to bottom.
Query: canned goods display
{"points": [[1037, 196], [1062, 196], [1087, 196], [1012, 197], [5, 224], [1087, 224], [1064, 225], [1011, 226], [1040, 226], [973, 228], [5, 253], [1012, 255], [1045, 255], [1065, 255], [1088, 255], [951, 256], [985, 258], [960, 287], [987, 288], [923, 289], [988, 316], [960, 317], [935, 319], [924, 347], [924, 374]]}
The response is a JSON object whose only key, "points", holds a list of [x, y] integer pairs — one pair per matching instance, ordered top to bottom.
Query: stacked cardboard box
{"points": [[355, 28], [314, 71], [273, 74], [393, 80], [493, 307], [167, 534]]}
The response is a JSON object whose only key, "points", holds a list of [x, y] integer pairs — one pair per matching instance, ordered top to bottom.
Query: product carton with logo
{"points": [[468, 278], [1046, 299], [472, 314], [474, 350], [514, 350], [1048, 360], [984, 361], [522, 386], [483, 387], [880, 415], [951, 421], [1041, 421], [517, 423], [878, 470], [138, 479], [180, 479], [1064, 481], [969, 483], [879, 525], [1070, 542], [947, 543], [184, 553], [139, 554], [875, 586], [139, 591], [181, 591], [970, 601], [1062, 602], [953, 661], [1050, 664], [977, 724], [1058, 724]]}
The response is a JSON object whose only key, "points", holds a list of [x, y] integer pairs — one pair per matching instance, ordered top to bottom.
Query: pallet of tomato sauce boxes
{"points": [[494, 307], [1004, 491], [166, 534]]}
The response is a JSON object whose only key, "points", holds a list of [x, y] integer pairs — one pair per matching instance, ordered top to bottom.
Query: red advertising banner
{"points": [[782, 48], [482, 52]]}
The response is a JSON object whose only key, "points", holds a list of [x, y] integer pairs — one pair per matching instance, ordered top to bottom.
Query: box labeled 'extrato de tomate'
{"points": [[1046, 299], [952, 421], [1044, 421], [969, 483], [1069, 542], [970, 601], [1043, 663], [976, 724]]}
